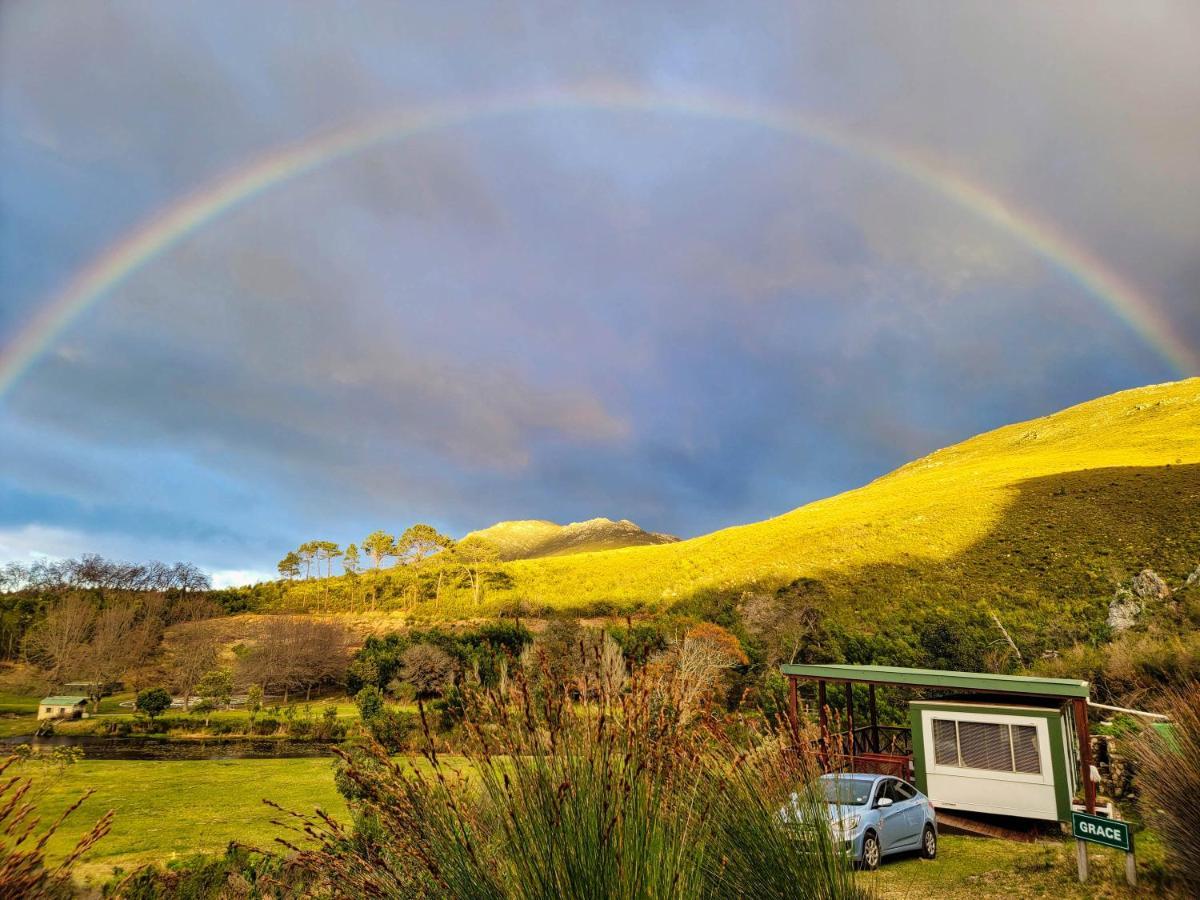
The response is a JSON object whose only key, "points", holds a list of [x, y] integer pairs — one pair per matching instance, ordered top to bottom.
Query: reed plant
{"points": [[1168, 782], [604, 787]]}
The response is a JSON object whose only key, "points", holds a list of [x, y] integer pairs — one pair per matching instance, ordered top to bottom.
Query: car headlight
{"points": [[846, 826]]}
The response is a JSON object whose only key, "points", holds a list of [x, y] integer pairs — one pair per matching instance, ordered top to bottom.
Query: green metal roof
{"points": [[944, 679], [62, 701]]}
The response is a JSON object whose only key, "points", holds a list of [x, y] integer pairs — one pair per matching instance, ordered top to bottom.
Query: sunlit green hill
{"points": [[1047, 515], [533, 538]]}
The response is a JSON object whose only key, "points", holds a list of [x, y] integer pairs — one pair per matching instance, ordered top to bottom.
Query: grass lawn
{"points": [[17, 704], [18, 713], [167, 810], [172, 810], [970, 867]]}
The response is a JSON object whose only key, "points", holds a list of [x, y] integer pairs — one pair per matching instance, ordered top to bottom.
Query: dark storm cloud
{"points": [[688, 322]]}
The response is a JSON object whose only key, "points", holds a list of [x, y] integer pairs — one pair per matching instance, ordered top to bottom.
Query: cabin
{"points": [[67, 707], [997, 745]]}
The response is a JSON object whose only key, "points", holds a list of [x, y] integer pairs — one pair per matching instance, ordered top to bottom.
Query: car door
{"points": [[913, 812], [892, 830]]}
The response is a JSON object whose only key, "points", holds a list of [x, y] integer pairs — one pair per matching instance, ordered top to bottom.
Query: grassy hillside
{"points": [[1047, 516], [535, 538]]}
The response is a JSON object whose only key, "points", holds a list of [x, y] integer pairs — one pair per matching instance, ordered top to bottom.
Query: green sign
{"points": [[1099, 830]]}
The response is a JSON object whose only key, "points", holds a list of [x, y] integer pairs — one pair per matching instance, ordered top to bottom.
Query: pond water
{"points": [[103, 747]]}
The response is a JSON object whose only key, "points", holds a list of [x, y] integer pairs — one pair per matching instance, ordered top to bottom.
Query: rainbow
{"points": [[159, 233]]}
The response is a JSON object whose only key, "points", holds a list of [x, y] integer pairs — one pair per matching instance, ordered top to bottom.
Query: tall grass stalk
{"points": [[1169, 785], [584, 791]]}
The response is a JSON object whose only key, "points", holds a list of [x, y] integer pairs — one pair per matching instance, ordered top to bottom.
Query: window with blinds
{"points": [[945, 742], [996, 746], [1025, 749]]}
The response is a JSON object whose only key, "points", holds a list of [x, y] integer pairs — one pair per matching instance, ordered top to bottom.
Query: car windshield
{"points": [[847, 791]]}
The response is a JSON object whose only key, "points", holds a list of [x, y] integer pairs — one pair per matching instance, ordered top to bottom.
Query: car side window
{"points": [[885, 790], [902, 791]]}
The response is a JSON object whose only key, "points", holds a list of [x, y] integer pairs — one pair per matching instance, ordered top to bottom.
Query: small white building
{"points": [[62, 708], [1002, 745], [1014, 757]]}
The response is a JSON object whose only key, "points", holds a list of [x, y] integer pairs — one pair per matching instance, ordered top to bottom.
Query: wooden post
{"points": [[793, 712], [823, 717], [850, 718], [874, 719], [1085, 753], [1081, 860], [1130, 870]]}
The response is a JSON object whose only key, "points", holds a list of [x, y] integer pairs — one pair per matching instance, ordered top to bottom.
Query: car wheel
{"points": [[929, 843], [871, 851]]}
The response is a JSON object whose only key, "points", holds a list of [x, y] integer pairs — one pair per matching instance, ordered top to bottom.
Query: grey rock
{"points": [[1149, 586], [1123, 610]]}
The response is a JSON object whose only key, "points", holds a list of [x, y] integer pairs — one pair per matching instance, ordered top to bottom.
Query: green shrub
{"points": [[369, 701], [153, 702], [265, 726], [329, 727], [396, 730], [239, 873]]}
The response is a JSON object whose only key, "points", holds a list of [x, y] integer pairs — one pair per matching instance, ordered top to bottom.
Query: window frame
{"points": [[1041, 727]]}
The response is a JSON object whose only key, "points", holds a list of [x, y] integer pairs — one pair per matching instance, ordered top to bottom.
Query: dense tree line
{"points": [[483, 651]]}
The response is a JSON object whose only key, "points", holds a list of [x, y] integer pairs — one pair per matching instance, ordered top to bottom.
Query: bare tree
{"points": [[191, 608], [786, 622], [56, 642], [113, 648], [323, 651], [193, 652], [297, 653], [700, 659], [427, 668], [613, 670]]}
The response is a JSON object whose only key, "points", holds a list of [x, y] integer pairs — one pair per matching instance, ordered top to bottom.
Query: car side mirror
{"points": [[883, 802]]}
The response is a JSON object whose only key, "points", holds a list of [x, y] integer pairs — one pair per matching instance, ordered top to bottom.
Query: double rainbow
{"points": [[162, 231]]}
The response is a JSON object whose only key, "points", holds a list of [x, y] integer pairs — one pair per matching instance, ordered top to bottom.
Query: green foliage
{"points": [[420, 541], [379, 545], [350, 561], [289, 566], [232, 601], [644, 640], [381, 659], [217, 687], [254, 700], [153, 702], [370, 702], [395, 729], [239, 872]]}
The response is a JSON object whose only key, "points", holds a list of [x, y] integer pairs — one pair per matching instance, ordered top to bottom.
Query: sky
{"points": [[691, 264]]}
